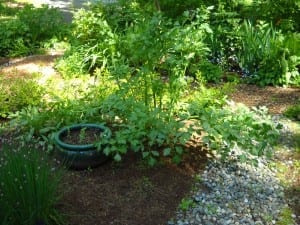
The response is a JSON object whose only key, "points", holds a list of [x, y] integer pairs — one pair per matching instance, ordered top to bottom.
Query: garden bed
{"points": [[131, 193]]}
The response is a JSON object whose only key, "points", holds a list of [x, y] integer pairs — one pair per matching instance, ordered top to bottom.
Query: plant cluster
{"points": [[25, 31], [171, 39], [149, 71], [17, 93], [64, 105], [293, 111], [235, 129], [154, 133], [28, 188]]}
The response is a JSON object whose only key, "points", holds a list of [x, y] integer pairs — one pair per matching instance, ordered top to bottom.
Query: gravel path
{"points": [[236, 194]]}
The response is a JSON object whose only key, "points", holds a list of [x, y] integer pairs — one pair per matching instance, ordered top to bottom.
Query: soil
{"points": [[276, 99], [82, 136], [126, 193], [130, 193]]}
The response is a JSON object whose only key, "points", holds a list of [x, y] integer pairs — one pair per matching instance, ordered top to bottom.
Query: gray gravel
{"points": [[235, 194]]}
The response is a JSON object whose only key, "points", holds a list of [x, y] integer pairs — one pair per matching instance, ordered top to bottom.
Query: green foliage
{"points": [[123, 14], [284, 14], [28, 29], [93, 44], [142, 55], [269, 56], [71, 64], [210, 72], [18, 92], [205, 97], [70, 104], [293, 111], [236, 128], [153, 133], [29, 188], [186, 203], [286, 217]]}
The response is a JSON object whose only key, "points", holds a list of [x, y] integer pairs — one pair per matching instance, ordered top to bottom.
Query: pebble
{"points": [[238, 194]]}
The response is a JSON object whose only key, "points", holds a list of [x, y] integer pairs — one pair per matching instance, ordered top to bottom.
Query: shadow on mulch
{"points": [[276, 99], [129, 193]]}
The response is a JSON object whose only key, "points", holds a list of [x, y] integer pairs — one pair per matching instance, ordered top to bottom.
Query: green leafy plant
{"points": [[24, 33], [93, 44], [268, 56], [210, 72], [18, 92], [70, 103], [293, 111], [235, 129], [152, 133], [29, 188], [186, 204], [286, 217]]}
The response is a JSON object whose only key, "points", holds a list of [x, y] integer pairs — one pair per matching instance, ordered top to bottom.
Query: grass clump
{"points": [[293, 111], [28, 188], [286, 217]]}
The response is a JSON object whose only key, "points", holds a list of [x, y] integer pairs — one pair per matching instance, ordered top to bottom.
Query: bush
{"points": [[24, 33], [93, 44], [268, 56], [18, 92], [293, 111], [235, 129], [153, 133], [28, 188]]}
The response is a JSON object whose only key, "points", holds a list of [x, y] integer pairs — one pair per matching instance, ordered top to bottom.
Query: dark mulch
{"points": [[276, 99], [129, 193]]}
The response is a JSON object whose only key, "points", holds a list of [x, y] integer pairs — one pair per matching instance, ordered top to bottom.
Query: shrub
{"points": [[123, 14], [24, 33], [93, 45], [269, 57], [210, 72], [18, 92], [67, 104], [293, 111], [235, 129], [153, 133], [28, 188]]}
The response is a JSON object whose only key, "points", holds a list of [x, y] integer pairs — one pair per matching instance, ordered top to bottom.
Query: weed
{"points": [[293, 112], [186, 204], [286, 217]]}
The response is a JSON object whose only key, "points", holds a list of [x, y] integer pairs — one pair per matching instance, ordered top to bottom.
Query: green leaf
{"points": [[179, 150], [106, 151], [167, 152], [155, 153], [145, 154], [117, 157], [176, 159], [152, 161]]}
